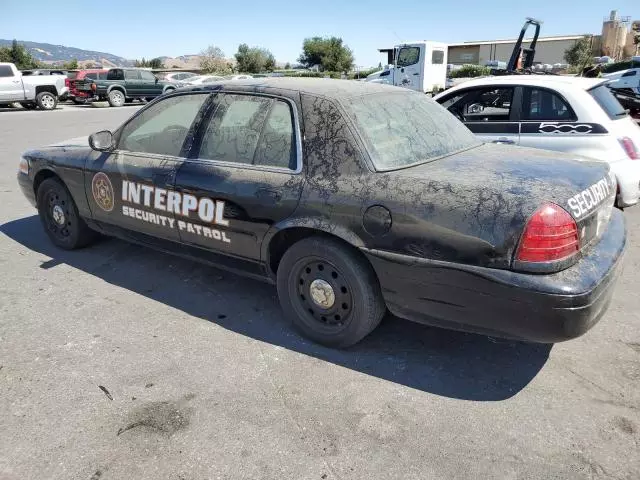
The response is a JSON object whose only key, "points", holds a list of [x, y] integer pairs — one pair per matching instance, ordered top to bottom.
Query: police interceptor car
{"points": [[575, 115], [353, 199]]}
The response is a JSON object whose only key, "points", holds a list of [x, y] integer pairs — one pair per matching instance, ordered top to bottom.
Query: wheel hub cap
{"points": [[58, 215], [322, 293]]}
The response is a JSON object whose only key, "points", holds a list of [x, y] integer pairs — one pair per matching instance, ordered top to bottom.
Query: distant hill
{"points": [[51, 54]]}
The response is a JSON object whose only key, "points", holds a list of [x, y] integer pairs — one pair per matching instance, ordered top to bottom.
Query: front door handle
{"points": [[417, 73], [15, 81], [505, 141], [164, 179]]}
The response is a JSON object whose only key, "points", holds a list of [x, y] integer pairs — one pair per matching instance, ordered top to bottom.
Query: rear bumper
{"points": [[540, 308]]}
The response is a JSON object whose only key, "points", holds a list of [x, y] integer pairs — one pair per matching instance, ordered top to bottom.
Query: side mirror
{"points": [[156, 79], [102, 141]]}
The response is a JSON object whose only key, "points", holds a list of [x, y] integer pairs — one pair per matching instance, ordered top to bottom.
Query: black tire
{"points": [[116, 98], [47, 100], [29, 106], [70, 231], [357, 307]]}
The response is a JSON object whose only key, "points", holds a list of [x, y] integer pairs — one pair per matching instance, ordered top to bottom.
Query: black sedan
{"points": [[354, 199]]}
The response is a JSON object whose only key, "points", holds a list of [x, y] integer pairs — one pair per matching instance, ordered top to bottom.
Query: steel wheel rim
{"points": [[118, 98], [48, 101], [54, 205], [337, 310]]}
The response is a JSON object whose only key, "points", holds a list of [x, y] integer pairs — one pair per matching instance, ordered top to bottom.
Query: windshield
{"points": [[608, 102], [405, 128]]}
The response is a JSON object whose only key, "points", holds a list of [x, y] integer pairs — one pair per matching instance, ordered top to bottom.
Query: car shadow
{"points": [[441, 362]]}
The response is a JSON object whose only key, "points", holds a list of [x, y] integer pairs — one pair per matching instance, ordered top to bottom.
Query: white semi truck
{"points": [[420, 66]]}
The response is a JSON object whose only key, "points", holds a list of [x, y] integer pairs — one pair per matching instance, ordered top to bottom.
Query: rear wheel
{"points": [[116, 98], [47, 100], [60, 218], [329, 292]]}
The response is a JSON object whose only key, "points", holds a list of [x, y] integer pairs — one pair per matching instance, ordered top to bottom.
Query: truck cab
{"points": [[420, 66]]}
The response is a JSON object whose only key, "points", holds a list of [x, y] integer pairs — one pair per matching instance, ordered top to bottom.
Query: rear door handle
{"points": [[417, 73], [506, 141], [264, 193]]}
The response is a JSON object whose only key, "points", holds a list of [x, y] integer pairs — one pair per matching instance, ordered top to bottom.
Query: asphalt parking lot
{"points": [[117, 362]]}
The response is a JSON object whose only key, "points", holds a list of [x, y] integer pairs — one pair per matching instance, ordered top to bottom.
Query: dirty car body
{"points": [[353, 198]]}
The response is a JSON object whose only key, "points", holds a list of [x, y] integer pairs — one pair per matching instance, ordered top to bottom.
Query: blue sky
{"points": [[137, 28]]}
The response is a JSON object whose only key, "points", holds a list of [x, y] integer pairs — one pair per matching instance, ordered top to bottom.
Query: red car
{"points": [[81, 96]]}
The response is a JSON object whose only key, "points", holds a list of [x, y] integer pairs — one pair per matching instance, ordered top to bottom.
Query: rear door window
{"points": [[132, 75], [608, 102], [543, 104], [234, 130]]}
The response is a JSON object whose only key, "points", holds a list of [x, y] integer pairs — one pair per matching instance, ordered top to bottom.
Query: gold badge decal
{"points": [[102, 191]]}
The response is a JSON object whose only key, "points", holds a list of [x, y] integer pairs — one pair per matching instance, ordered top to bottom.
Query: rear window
{"points": [[6, 71], [72, 75], [608, 102], [405, 128]]}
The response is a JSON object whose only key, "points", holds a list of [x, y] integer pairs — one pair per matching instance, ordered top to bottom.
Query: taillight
{"points": [[66, 82], [93, 87], [630, 148], [551, 234]]}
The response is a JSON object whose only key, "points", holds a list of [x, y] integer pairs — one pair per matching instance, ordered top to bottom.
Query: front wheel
{"points": [[116, 98], [47, 100], [59, 216], [329, 292]]}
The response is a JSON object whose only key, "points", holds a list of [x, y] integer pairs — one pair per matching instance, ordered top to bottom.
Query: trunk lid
{"points": [[499, 187]]}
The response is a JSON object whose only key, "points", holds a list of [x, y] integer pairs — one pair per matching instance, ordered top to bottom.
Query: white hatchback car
{"points": [[568, 114]]}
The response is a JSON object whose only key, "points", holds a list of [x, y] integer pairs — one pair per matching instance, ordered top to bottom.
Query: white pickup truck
{"points": [[31, 91]]}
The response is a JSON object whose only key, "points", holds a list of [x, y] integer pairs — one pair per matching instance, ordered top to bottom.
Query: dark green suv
{"points": [[124, 85]]}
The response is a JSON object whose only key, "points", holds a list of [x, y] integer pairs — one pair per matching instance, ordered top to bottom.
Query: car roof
{"points": [[535, 80], [315, 86]]}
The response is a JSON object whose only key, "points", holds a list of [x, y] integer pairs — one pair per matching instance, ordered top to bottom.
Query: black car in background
{"points": [[353, 199]]}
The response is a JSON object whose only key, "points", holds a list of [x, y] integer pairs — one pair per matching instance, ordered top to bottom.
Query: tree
{"points": [[328, 52], [580, 54], [19, 55], [254, 59], [212, 61], [153, 63], [156, 63], [71, 64], [379, 64], [287, 66]]}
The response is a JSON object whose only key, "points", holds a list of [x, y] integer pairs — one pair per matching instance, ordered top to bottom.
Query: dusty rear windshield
{"points": [[401, 129]]}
